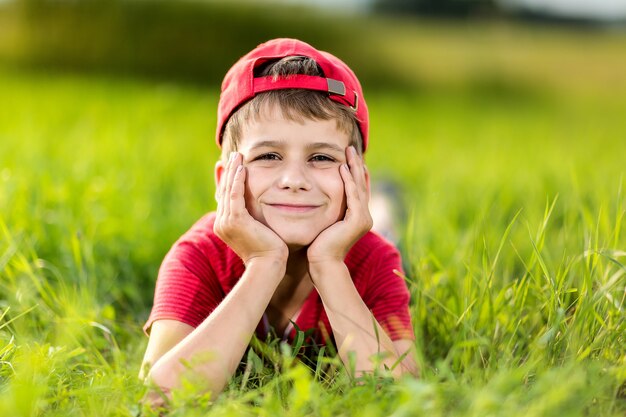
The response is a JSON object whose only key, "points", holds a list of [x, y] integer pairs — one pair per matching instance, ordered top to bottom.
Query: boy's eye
{"points": [[267, 157], [322, 158]]}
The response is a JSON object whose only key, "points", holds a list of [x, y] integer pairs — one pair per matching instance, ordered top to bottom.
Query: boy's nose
{"points": [[294, 176]]}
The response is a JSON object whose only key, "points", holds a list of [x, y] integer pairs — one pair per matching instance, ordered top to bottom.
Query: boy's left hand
{"points": [[333, 244]]}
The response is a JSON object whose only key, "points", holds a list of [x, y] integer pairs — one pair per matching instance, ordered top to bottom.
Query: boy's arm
{"points": [[355, 328], [164, 335], [213, 350]]}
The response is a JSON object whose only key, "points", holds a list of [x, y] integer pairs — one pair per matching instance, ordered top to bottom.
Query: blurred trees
{"points": [[456, 8], [182, 40], [197, 41]]}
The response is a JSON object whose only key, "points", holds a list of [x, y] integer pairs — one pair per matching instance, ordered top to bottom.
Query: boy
{"points": [[290, 240]]}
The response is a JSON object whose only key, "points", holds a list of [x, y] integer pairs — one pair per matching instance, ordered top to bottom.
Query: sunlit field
{"points": [[512, 164]]}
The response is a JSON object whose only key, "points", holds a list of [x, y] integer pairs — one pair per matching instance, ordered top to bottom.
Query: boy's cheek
{"points": [[248, 195], [344, 207]]}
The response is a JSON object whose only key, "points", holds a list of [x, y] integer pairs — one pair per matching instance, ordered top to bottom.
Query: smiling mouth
{"points": [[294, 208]]}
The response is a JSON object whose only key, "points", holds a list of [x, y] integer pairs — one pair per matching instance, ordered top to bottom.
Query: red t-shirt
{"points": [[200, 269]]}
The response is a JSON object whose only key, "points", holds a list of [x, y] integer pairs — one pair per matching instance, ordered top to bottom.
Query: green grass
{"points": [[514, 242]]}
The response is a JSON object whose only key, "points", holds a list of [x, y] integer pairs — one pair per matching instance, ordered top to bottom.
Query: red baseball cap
{"points": [[240, 85]]}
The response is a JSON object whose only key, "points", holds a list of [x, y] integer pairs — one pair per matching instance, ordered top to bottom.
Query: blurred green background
{"points": [[388, 42], [504, 127]]}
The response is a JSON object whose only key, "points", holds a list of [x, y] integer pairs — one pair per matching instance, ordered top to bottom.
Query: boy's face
{"points": [[293, 184]]}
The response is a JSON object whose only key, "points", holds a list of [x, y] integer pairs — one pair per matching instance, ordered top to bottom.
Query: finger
{"points": [[357, 168], [230, 173], [222, 183], [221, 190], [368, 191], [237, 200], [353, 200], [357, 212]]}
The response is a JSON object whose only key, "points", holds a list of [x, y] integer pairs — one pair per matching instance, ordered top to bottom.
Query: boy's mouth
{"points": [[294, 208]]}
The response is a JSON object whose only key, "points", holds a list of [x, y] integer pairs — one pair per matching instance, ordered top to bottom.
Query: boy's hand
{"points": [[247, 237], [333, 244]]}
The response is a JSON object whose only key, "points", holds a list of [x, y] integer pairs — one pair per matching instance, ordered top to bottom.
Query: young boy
{"points": [[290, 240]]}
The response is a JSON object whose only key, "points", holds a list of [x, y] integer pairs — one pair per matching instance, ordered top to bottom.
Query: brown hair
{"points": [[295, 104]]}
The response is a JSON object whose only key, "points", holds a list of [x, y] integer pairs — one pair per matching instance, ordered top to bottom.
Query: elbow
{"points": [[154, 374], [166, 376], [160, 378], [157, 395]]}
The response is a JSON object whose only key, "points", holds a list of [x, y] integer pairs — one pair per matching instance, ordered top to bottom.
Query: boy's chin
{"points": [[297, 236], [297, 241], [295, 244]]}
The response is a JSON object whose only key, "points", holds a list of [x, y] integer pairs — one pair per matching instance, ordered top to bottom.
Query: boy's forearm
{"points": [[355, 328], [214, 349]]}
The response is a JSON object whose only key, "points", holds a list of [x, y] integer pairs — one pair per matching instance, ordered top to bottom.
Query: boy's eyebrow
{"points": [[268, 144], [325, 145], [311, 146]]}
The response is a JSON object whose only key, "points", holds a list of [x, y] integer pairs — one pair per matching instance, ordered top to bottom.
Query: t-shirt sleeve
{"points": [[187, 288], [388, 295]]}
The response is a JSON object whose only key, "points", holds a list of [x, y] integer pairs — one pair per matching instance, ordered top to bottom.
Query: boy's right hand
{"points": [[246, 236]]}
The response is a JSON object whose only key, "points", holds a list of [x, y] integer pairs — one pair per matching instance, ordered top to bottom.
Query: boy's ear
{"points": [[219, 172]]}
